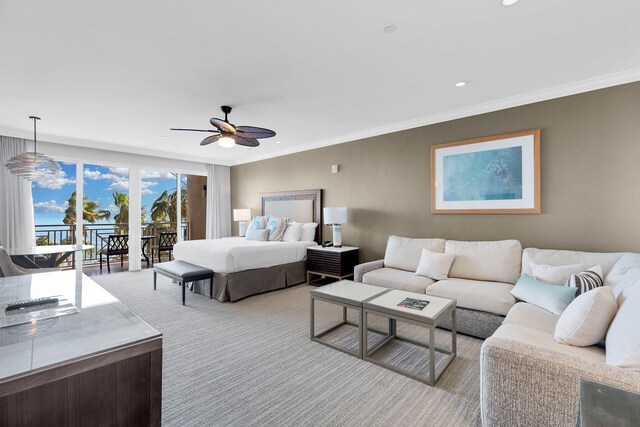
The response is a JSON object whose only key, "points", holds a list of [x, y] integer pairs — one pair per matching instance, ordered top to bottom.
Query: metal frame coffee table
{"points": [[346, 294], [386, 306]]}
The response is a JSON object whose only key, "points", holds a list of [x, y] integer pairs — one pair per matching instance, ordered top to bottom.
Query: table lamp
{"points": [[242, 215], [336, 217]]}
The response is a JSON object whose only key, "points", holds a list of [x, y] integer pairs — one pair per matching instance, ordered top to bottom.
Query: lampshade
{"points": [[33, 165], [242, 214], [335, 215]]}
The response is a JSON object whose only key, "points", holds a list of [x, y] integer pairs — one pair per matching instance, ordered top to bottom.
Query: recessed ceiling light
{"points": [[508, 2], [390, 29], [460, 84], [277, 142]]}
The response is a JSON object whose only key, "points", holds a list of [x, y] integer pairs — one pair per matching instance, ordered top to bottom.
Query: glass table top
{"points": [[101, 323]]}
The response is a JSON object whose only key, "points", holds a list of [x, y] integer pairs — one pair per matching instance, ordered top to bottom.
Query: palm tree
{"points": [[121, 200], [164, 207], [91, 211]]}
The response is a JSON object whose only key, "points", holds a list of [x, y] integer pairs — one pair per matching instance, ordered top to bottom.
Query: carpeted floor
{"points": [[251, 363]]}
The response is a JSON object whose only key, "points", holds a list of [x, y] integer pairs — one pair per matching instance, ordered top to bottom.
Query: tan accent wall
{"points": [[590, 173], [196, 206]]}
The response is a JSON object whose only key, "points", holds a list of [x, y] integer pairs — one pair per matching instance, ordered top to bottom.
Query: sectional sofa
{"points": [[527, 378]]}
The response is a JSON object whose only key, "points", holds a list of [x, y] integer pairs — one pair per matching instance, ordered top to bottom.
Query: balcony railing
{"points": [[97, 234]]}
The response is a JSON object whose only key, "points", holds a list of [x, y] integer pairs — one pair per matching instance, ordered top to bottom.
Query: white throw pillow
{"points": [[292, 232], [308, 232], [259, 235], [435, 265], [556, 275], [624, 287], [586, 320], [623, 337]]}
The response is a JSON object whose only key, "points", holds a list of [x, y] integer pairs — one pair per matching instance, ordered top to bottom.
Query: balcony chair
{"points": [[117, 244], [165, 244], [8, 268]]}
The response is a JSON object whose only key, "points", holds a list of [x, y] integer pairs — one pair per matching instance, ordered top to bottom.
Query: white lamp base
{"points": [[243, 228], [337, 235]]}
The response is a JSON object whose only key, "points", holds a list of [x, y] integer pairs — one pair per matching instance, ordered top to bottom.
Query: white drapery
{"points": [[218, 201], [17, 228]]}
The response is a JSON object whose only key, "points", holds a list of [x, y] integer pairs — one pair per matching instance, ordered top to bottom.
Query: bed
{"points": [[244, 267]]}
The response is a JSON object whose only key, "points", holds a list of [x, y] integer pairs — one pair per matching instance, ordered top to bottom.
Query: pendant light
{"points": [[33, 165]]}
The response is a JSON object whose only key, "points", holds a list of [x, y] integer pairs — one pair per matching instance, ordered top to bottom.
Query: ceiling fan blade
{"points": [[222, 126], [195, 130], [254, 132], [210, 140], [247, 142]]}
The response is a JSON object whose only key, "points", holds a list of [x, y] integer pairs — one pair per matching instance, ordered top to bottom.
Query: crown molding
{"points": [[582, 86]]}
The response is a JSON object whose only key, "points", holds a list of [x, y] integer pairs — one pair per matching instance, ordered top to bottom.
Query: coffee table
{"points": [[346, 294], [438, 309]]}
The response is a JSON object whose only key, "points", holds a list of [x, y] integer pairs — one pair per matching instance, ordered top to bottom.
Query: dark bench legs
{"points": [[181, 283]]}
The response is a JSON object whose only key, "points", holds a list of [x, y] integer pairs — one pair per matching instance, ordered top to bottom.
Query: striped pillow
{"points": [[276, 227], [587, 280]]}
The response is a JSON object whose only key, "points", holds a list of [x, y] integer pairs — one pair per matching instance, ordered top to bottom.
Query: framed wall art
{"points": [[495, 174]]}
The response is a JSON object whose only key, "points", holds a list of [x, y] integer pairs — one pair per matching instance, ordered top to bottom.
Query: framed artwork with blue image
{"points": [[495, 174]]}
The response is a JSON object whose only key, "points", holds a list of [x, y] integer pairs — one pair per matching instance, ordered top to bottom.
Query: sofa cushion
{"points": [[404, 253], [557, 257], [497, 261], [628, 263], [434, 265], [554, 274], [397, 279], [624, 287], [492, 297], [553, 298], [531, 316], [586, 320], [623, 336], [545, 340]]}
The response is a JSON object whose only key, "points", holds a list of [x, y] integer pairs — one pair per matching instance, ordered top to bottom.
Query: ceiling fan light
{"points": [[226, 142]]}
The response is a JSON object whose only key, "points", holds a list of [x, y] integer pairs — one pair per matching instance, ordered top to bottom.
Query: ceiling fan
{"points": [[228, 135]]}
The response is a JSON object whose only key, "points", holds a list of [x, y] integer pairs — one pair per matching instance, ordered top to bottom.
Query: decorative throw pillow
{"points": [[258, 223], [276, 227], [292, 232], [308, 232], [259, 235], [435, 265], [556, 275], [587, 280], [624, 287], [550, 297], [586, 320], [623, 337]]}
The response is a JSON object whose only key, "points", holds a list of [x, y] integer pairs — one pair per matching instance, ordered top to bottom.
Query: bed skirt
{"points": [[235, 286]]}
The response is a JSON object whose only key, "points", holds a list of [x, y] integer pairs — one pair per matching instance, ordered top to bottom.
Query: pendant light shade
{"points": [[32, 165]]}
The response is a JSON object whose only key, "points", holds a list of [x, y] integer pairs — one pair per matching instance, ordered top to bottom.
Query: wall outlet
{"points": [[335, 168]]}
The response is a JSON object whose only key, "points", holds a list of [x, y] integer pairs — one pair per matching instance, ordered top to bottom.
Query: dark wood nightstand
{"points": [[336, 263]]}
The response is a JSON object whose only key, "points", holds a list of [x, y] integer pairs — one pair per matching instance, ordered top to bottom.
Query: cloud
{"points": [[120, 172], [89, 174], [144, 174], [54, 182], [119, 185], [146, 191], [50, 206]]}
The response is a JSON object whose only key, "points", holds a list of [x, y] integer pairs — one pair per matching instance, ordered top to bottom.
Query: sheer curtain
{"points": [[218, 201], [17, 228]]}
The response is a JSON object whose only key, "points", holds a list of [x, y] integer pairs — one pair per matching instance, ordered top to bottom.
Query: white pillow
{"points": [[292, 232], [308, 232], [259, 235], [434, 264], [556, 275], [629, 281], [586, 320], [623, 337]]}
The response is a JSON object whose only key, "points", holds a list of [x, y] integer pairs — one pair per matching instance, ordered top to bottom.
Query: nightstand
{"points": [[336, 263]]}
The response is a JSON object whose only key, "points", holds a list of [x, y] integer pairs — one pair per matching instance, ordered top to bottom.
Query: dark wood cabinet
{"points": [[336, 263]]}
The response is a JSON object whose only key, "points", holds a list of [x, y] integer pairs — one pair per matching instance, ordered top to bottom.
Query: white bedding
{"points": [[233, 254]]}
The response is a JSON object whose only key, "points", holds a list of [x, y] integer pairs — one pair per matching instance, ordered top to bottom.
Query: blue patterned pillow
{"points": [[258, 223], [276, 228]]}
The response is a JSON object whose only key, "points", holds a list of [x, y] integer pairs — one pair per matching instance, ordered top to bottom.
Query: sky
{"points": [[50, 195]]}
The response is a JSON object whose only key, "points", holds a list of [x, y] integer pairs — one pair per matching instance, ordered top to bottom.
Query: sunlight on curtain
{"points": [[218, 201]]}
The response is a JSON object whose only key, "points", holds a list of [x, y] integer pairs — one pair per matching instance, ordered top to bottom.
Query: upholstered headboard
{"points": [[300, 206]]}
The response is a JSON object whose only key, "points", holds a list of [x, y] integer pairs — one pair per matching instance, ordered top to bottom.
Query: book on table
{"points": [[413, 303]]}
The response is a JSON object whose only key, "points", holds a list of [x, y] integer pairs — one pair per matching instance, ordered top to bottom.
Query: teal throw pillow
{"points": [[553, 298]]}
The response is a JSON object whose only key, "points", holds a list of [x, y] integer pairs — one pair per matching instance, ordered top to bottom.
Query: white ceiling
{"points": [[119, 74]]}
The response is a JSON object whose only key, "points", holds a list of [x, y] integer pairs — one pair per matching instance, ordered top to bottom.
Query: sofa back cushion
{"points": [[404, 253], [559, 257], [495, 261], [628, 264], [623, 336]]}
